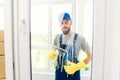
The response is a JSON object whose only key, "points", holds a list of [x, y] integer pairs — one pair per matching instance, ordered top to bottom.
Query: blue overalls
{"points": [[60, 73]]}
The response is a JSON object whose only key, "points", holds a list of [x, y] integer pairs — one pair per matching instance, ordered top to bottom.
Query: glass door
{"points": [[32, 26], [45, 26]]}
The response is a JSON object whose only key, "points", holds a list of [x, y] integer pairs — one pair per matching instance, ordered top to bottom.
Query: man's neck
{"points": [[67, 35]]}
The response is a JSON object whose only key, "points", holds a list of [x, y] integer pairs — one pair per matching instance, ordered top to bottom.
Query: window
{"points": [[56, 10], [45, 25], [39, 30], [43, 30]]}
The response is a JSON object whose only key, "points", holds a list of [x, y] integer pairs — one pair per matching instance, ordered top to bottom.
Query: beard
{"points": [[66, 31]]}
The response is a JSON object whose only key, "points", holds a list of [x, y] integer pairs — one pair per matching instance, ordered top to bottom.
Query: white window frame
{"points": [[16, 39]]}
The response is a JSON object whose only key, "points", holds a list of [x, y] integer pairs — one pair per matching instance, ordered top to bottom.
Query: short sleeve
{"points": [[56, 41], [85, 45]]}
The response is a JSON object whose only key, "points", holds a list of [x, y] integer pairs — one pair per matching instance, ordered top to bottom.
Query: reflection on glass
{"points": [[45, 26], [39, 29]]}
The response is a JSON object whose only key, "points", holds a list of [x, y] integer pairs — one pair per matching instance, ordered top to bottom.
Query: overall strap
{"points": [[75, 37], [60, 40], [74, 58]]}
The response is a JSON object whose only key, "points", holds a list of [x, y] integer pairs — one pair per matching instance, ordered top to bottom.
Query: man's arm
{"points": [[88, 57], [71, 67]]}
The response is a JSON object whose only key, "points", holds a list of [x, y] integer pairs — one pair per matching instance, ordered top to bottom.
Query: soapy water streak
{"points": [[55, 45]]}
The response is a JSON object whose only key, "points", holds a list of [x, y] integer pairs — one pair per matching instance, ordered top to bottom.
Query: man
{"points": [[68, 66]]}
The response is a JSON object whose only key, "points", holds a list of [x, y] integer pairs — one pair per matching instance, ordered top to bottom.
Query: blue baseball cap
{"points": [[64, 16]]}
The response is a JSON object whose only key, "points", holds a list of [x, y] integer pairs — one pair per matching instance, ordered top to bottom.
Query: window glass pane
{"points": [[56, 10], [84, 19], [45, 26], [39, 30]]}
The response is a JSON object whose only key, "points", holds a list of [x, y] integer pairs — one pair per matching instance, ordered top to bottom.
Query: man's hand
{"points": [[52, 55], [71, 67]]}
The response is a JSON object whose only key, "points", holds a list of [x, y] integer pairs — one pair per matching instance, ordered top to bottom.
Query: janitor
{"points": [[68, 65]]}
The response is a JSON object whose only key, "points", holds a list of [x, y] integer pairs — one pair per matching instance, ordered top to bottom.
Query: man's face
{"points": [[66, 26]]}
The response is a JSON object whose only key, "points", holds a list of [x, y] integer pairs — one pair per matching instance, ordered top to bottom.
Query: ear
{"points": [[70, 22]]}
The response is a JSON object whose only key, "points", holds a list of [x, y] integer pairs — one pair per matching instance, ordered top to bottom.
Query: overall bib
{"points": [[60, 73]]}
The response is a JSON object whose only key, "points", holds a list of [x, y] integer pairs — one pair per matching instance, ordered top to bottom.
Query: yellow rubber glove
{"points": [[52, 55], [71, 67]]}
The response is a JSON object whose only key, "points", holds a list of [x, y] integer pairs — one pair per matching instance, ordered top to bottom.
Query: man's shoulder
{"points": [[58, 35], [79, 36]]}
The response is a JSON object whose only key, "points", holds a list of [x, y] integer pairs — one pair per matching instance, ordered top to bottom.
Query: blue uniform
{"points": [[60, 73]]}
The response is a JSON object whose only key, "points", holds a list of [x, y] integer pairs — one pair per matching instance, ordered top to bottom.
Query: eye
{"points": [[65, 22]]}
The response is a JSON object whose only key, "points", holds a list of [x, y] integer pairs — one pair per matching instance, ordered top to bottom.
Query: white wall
{"points": [[107, 40], [112, 41]]}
